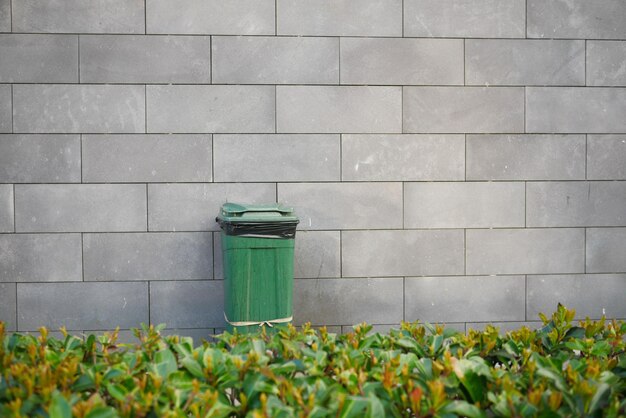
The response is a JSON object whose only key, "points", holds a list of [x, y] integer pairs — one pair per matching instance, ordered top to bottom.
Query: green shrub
{"points": [[419, 370]]}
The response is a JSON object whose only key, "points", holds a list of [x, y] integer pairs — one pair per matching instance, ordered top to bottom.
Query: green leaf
{"points": [[430, 328], [575, 332], [90, 341], [71, 343], [436, 344], [411, 345], [575, 345], [185, 347], [259, 347], [511, 348], [601, 348], [52, 357], [212, 357], [165, 363], [193, 367], [284, 368], [425, 368], [471, 373], [113, 374], [557, 379], [181, 380], [83, 383], [249, 383], [262, 385], [371, 388], [117, 391], [600, 398], [59, 407], [354, 407], [375, 407], [463, 408], [220, 410], [528, 410], [6, 412], [102, 412], [319, 412]]}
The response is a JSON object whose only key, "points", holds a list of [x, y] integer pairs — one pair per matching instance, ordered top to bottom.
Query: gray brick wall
{"points": [[457, 161]]}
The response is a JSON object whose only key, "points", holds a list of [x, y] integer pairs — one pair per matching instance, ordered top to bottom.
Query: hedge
{"points": [[419, 370]]}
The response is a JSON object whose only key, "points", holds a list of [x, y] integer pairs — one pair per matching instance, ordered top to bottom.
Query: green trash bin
{"points": [[257, 252]]}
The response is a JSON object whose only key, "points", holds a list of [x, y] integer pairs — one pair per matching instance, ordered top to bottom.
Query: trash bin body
{"points": [[257, 250]]}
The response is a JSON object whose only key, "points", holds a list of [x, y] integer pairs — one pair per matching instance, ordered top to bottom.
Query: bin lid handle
{"points": [[237, 208]]}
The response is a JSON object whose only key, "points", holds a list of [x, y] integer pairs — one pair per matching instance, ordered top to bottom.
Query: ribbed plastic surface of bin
{"points": [[257, 251]]}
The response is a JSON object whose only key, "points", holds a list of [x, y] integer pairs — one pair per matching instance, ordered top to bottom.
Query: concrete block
{"points": [[5, 15], [96, 16], [211, 17], [339, 17], [465, 18], [582, 19], [38, 58], [145, 59], [272, 60], [401, 61], [525, 62], [606, 63], [6, 103], [65, 108], [205, 109], [347, 109], [463, 109], [575, 110], [403, 157], [525, 157], [605, 157], [40, 158], [146, 158], [276, 158], [595, 203], [344, 205], [463, 205], [193, 207], [6, 208], [80, 208], [605, 250], [525, 251], [402, 253], [317, 254], [148, 256], [40, 258], [591, 295], [464, 299], [348, 301], [187, 304], [8, 306], [93, 306]]}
